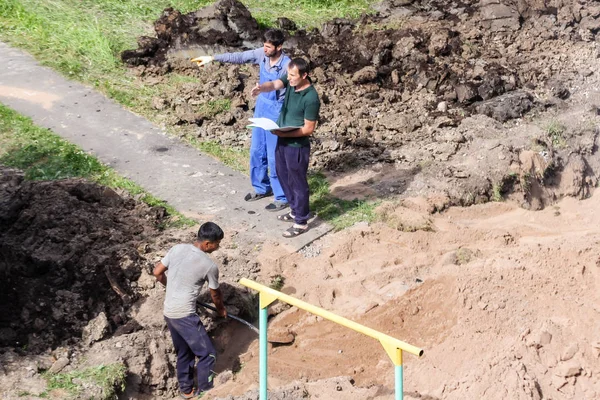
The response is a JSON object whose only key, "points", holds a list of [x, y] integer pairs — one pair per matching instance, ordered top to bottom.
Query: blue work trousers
{"points": [[263, 173], [191, 340]]}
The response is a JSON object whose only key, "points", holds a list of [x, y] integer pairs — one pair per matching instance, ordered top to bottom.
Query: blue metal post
{"points": [[262, 324], [399, 383]]}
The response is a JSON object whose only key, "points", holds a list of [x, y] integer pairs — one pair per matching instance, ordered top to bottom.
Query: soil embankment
{"points": [[421, 88]]}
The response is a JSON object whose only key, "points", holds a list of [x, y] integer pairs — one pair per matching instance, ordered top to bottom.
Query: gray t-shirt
{"points": [[188, 268]]}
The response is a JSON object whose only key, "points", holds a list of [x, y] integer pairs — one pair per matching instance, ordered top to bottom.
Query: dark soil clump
{"points": [[68, 252]]}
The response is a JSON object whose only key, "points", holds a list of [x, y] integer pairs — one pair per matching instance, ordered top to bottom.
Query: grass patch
{"points": [[306, 13], [215, 107], [556, 131], [42, 155], [237, 159], [497, 192], [340, 213], [277, 282], [110, 378]]}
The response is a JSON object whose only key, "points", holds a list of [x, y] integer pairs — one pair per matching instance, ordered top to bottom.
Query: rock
{"points": [[499, 17], [286, 23], [337, 27], [403, 47], [367, 74], [492, 86], [558, 89], [465, 93], [159, 103], [442, 106], [508, 106], [402, 122], [96, 329], [543, 338], [569, 352], [59, 365], [567, 370], [224, 377]]}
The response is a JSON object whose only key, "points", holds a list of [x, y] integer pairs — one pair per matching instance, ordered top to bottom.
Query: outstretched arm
{"points": [[266, 87], [159, 273], [217, 298]]}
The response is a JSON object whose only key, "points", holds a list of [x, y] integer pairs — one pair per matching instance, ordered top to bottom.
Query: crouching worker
{"points": [[301, 107], [189, 266]]}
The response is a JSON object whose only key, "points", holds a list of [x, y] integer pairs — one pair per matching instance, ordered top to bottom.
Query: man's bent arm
{"points": [[266, 87], [306, 130], [159, 273], [217, 298]]}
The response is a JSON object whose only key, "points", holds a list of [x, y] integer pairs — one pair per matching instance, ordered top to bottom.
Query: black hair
{"points": [[274, 36], [299, 63], [210, 231]]}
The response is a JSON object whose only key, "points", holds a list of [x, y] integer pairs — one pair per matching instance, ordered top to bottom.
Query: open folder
{"points": [[268, 125]]}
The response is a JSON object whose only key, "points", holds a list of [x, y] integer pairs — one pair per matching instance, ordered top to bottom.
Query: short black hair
{"points": [[274, 36], [299, 63], [210, 231]]}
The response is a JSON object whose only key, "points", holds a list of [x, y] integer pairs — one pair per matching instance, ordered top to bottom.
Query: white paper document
{"points": [[268, 125]]}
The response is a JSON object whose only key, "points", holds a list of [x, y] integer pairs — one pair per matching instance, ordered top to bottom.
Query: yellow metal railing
{"points": [[392, 346]]}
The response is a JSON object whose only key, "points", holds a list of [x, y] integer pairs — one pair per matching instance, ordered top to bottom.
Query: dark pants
{"points": [[292, 166], [191, 341]]}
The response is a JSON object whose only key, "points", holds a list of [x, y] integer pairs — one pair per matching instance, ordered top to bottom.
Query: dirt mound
{"points": [[226, 23], [421, 85], [69, 255], [77, 290], [504, 301]]}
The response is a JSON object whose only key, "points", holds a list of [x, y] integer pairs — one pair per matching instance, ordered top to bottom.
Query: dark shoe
{"points": [[257, 196], [276, 206], [286, 217], [295, 230], [189, 395]]}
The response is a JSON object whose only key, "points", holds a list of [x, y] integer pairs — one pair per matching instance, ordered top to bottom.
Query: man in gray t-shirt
{"points": [[188, 267]]}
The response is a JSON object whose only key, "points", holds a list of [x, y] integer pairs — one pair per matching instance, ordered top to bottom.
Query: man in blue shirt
{"points": [[273, 63]]}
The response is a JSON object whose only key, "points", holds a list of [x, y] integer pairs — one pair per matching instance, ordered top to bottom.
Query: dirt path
{"points": [[195, 184]]}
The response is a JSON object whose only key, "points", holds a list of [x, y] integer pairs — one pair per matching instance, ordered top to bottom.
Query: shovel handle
{"points": [[248, 324]]}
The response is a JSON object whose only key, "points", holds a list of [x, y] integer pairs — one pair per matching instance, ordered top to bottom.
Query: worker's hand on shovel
{"points": [[203, 60]]}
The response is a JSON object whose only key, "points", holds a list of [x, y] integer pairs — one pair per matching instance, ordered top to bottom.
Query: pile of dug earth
{"points": [[470, 100]]}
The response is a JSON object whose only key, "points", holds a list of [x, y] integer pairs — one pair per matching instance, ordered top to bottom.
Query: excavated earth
{"points": [[413, 93], [428, 104]]}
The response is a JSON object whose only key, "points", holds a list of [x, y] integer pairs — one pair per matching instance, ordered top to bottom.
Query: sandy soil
{"points": [[504, 301]]}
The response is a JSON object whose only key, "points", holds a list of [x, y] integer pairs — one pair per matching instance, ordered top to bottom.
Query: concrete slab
{"points": [[196, 184]]}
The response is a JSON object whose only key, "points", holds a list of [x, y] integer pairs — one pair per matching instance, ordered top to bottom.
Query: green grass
{"points": [[306, 13], [555, 131], [45, 156], [340, 213], [108, 377]]}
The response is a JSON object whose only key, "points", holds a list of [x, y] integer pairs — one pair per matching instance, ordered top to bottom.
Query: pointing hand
{"points": [[202, 60], [255, 90]]}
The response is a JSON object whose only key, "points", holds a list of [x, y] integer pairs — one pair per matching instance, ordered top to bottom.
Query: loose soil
{"points": [[422, 87], [437, 104]]}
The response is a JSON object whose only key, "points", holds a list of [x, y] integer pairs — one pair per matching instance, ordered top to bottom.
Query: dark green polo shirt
{"points": [[298, 106]]}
